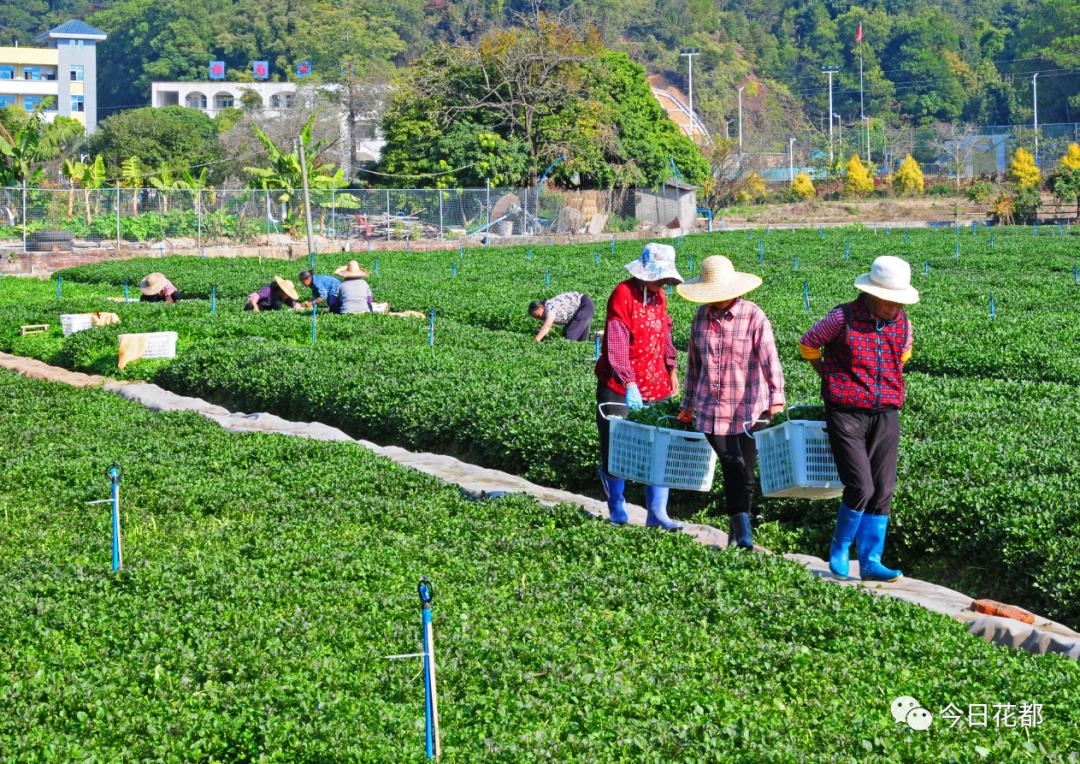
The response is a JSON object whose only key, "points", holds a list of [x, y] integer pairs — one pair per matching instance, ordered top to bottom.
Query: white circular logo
{"points": [[902, 706], [907, 710]]}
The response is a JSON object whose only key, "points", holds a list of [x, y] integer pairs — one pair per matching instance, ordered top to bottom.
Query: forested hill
{"points": [[922, 61]]}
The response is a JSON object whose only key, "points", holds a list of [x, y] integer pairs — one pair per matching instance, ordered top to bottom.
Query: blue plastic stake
{"points": [[974, 227], [1035, 228], [888, 230], [1060, 231], [821, 233], [905, 236], [991, 241], [613, 244], [369, 245], [408, 245], [461, 250], [847, 250], [957, 250], [761, 251], [528, 255], [596, 256], [311, 258], [795, 263], [376, 266], [926, 267], [691, 268], [453, 269], [1076, 273], [547, 278], [59, 285], [125, 290], [806, 295], [213, 300], [993, 313], [313, 314], [431, 328], [597, 336], [113, 473], [431, 705]]}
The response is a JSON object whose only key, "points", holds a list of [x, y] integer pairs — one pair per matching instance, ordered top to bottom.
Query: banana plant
{"points": [[74, 171], [131, 173], [284, 174], [164, 181]]}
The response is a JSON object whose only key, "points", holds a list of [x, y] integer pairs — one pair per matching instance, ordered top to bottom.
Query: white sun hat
{"points": [[657, 263], [890, 279], [718, 282]]}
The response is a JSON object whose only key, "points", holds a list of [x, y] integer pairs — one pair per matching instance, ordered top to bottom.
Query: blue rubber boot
{"points": [[656, 503], [616, 504], [847, 524], [740, 535], [871, 541]]}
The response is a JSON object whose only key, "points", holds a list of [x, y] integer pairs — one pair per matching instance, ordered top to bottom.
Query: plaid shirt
{"points": [[733, 374]]}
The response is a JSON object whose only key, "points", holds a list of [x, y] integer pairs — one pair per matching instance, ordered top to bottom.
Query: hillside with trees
{"points": [[922, 62]]}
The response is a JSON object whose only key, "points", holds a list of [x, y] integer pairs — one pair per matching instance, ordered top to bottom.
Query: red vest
{"points": [[647, 320], [862, 365]]}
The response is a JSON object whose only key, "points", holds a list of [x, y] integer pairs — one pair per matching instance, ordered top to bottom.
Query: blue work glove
{"points": [[633, 397]]}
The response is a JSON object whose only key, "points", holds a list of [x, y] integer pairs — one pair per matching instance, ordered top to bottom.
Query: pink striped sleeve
{"points": [[825, 330], [617, 339]]}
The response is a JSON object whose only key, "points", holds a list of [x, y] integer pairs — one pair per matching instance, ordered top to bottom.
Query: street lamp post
{"points": [[690, 53], [830, 70], [1035, 104], [740, 122], [791, 159]]}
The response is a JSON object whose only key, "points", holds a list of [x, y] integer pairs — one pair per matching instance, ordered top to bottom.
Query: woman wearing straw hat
{"points": [[156, 288], [354, 294], [272, 296], [866, 342], [637, 365], [733, 377]]}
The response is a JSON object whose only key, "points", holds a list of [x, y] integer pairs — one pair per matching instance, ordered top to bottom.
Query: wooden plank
{"points": [[26, 329]]}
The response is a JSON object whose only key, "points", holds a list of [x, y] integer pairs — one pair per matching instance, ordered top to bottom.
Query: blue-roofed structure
{"points": [[73, 28]]}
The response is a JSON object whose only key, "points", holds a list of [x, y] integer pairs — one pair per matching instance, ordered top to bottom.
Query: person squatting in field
{"points": [[156, 288], [273, 296], [572, 310], [866, 343], [637, 365], [733, 378]]}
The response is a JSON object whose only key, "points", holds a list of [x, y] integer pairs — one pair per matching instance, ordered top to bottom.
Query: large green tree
{"points": [[174, 137]]}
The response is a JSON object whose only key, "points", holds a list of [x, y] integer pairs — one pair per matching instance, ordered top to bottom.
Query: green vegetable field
{"points": [[987, 501], [266, 579]]}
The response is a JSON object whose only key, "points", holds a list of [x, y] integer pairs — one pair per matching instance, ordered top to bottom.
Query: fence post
{"points": [[487, 209], [525, 212], [333, 213], [198, 214], [388, 214], [24, 215], [440, 215], [117, 217]]}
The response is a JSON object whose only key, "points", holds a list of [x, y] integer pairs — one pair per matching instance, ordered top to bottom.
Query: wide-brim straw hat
{"points": [[657, 263], [351, 271], [889, 279], [718, 282], [152, 284], [287, 287]]}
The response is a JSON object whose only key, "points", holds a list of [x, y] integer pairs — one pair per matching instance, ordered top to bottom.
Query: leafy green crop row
{"points": [[266, 579]]}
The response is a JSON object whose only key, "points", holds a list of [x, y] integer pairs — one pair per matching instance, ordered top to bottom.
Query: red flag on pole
{"points": [[858, 35]]}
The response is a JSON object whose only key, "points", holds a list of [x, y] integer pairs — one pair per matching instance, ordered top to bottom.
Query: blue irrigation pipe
{"points": [[701, 211], [114, 473], [431, 703]]}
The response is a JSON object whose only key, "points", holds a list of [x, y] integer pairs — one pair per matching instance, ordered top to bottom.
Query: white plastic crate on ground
{"points": [[75, 322], [158, 344], [660, 456], [796, 461]]}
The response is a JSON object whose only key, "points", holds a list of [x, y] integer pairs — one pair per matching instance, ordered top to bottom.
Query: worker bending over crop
{"points": [[156, 288], [324, 289], [354, 294], [272, 296], [572, 310], [866, 342], [637, 365], [733, 377]]}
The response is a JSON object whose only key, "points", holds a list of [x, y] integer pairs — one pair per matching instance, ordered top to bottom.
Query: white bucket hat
{"points": [[657, 263], [890, 279], [719, 281]]}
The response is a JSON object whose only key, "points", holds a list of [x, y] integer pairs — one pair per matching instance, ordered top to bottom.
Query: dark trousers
{"points": [[577, 328], [605, 394], [865, 445], [737, 455]]}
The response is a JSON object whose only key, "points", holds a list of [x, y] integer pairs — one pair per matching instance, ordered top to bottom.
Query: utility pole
{"points": [[690, 53], [830, 70], [1035, 104], [740, 124]]}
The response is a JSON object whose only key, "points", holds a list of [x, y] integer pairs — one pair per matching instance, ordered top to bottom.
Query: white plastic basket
{"points": [[75, 322], [158, 344], [659, 455], [796, 460]]}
